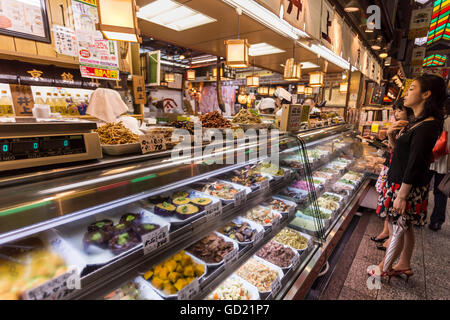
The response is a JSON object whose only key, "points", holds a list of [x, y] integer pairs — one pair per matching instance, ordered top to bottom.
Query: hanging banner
{"points": [[272, 5], [312, 10], [294, 13], [420, 21], [326, 24], [337, 36], [347, 41], [356, 54], [418, 55], [98, 57], [154, 68]]}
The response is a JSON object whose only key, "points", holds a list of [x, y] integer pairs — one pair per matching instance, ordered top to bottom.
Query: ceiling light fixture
{"points": [[352, 6], [173, 15], [117, 20], [376, 47], [237, 49], [261, 49], [383, 55], [309, 65], [292, 70], [316, 79]]}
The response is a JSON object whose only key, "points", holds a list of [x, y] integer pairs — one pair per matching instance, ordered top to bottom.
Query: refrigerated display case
{"points": [[154, 227]]}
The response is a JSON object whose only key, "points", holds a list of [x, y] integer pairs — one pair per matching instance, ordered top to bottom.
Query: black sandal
{"points": [[375, 239], [381, 247]]}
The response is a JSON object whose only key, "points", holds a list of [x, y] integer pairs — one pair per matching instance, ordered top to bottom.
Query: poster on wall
{"points": [[25, 19], [65, 41], [98, 57], [166, 101]]}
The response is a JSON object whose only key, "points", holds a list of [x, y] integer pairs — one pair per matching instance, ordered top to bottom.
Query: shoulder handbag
{"points": [[441, 147], [444, 186]]}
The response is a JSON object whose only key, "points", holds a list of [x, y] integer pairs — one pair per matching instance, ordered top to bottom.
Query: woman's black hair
{"points": [[399, 104], [434, 105]]}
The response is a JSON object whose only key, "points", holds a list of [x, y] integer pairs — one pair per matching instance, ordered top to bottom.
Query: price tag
{"points": [[152, 142], [287, 174], [264, 185], [240, 198], [213, 210], [291, 210], [276, 224], [258, 238], [155, 239], [231, 257], [295, 261], [275, 286], [57, 288], [190, 291]]}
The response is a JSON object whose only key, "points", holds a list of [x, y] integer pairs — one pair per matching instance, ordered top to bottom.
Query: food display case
{"points": [[163, 227]]}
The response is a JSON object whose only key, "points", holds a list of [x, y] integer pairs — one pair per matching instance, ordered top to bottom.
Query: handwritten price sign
{"points": [[152, 143], [156, 239]]}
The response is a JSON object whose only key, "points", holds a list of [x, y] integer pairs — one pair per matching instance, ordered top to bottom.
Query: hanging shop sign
{"points": [[272, 5], [294, 13], [420, 21], [440, 22], [326, 24], [337, 36], [65, 40], [418, 55], [98, 57], [435, 60], [153, 64], [139, 90], [22, 100]]}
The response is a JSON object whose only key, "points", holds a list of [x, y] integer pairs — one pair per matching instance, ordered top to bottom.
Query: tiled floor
{"points": [[430, 263]]}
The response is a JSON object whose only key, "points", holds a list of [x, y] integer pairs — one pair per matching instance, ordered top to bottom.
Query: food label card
{"points": [[152, 143], [264, 185], [240, 197], [213, 210], [291, 211], [276, 224], [258, 237], [155, 239], [231, 257], [295, 261], [275, 286], [55, 289], [190, 291]]}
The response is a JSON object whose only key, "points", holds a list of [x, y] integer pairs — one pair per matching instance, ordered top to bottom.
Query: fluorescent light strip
{"points": [[173, 15], [267, 18], [261, 49], [329, 55], [204, 60], [168, 63], [309, 65]]}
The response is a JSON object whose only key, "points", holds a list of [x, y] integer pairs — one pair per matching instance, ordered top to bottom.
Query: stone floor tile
{"points": [[357, 278], [437, 292], [350, 294]]}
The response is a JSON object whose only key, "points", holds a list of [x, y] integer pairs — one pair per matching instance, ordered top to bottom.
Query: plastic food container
{"points": [[121, 149], [259, 229], [252, 290]]}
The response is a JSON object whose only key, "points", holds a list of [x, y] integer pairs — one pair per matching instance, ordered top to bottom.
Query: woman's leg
{"points": [[385, 231], [391, 231], [404, 262]]}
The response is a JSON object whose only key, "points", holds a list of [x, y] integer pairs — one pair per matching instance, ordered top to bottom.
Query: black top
{"points": [[412, 154]]}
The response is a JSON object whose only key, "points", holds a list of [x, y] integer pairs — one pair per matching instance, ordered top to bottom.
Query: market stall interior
{"points": [[215, 155]]}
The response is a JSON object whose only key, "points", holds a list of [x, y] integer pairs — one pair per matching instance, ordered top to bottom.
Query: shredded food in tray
{"points": [[245, 116], [116, 133], [221, 190], [327, 204], [261, 215], [292, 239], [258, 274], [230, 289]]}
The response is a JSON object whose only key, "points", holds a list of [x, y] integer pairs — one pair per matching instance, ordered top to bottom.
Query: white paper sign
{"points": [[65, 40], [264, 185], [240, 197], [213, 210], [291, 210], [276, 224], [258, 237], [155, 239], [231, 257], [295, 261], [275, 286], [55, 289], [190, 291]]}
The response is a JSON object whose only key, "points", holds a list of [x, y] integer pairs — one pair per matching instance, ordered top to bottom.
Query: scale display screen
{"points": [[40, 147]]}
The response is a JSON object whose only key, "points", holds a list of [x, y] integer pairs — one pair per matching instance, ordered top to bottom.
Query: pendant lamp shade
{"points": [[352, 6], [117, 20], [237, 53], [292, 70], [191, 75], [169, 77], [316, 79], [252, 81], [343, 87], [301, 89], [264, 91], [271, 91], [308, 91]]}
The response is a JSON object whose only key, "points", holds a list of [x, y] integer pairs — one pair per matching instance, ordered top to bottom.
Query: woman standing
{"points": [[403, 116], [440, 168], [406, 190]]}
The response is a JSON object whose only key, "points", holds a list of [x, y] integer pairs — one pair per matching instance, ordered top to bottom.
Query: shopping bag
{"points": [[441, 147], [444, 186], [395, 246]]}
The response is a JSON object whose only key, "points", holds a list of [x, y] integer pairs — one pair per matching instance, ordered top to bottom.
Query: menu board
{"points": [[25, 19], [98, 57]]}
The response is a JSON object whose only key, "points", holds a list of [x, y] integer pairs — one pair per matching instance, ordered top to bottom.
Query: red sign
{"points": [[85, 53], [99, 73]]}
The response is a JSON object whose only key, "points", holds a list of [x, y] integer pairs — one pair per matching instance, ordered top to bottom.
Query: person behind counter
{"points": [[273, 106], [406, 190]]}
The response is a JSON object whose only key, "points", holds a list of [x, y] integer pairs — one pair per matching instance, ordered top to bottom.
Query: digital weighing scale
{"points": [[25, 145]]}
